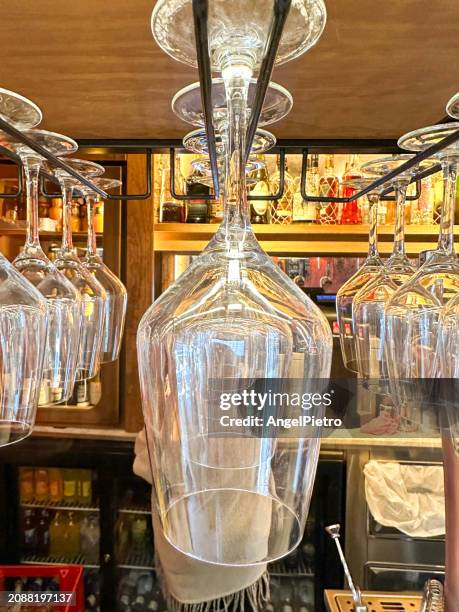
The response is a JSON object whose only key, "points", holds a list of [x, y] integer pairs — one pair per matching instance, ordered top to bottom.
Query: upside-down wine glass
{"points": [[371, 267], [91, 292], [116, 294], [63, 301], [369, 302], [412, 313], [23, 316], [232, 316]]}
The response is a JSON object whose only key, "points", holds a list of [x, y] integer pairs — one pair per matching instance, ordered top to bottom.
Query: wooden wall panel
{"points": [[139, 283]]}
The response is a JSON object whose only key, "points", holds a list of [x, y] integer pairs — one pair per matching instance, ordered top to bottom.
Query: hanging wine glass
{"points": [[245, 27], [196, 142], [371, 267], [91, 292], [116, 294], [63, 301], [369, 302], [413, 311], [233, 315], [23, 316]]}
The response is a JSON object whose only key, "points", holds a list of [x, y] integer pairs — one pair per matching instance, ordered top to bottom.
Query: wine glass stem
{"points": [[236, 79], [31, 170], [67, 195], [373, 199], [399, 229], [446, 236], [92, 243]]}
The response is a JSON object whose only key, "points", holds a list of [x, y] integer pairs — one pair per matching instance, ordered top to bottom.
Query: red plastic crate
{"points": [[69, 577]]}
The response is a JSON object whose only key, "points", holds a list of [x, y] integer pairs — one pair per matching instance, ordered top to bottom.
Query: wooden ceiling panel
{"points": [[380, 69]]}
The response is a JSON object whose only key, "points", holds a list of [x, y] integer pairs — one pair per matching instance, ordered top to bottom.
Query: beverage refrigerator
{"points": [[78, 502]]}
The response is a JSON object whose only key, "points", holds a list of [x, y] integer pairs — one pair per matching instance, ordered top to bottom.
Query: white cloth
{"points": [[406, 496], [188, 580]]}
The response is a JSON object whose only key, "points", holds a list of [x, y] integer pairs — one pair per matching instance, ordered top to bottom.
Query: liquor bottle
{"points": [[328, 187], [198, 207], [170, 209], [259, 209], [308, 209], [282, 210], [350, 211], [55, 212], [75, 216], [98, 217], [95, 390], [82, 391], [26, 485], [41, 485], [56, 485], [70, 486], [84, 487], [29, 531], [43, 532], [56, 535], [122, 536], [71, 537], [90, 539], [139, 543]]}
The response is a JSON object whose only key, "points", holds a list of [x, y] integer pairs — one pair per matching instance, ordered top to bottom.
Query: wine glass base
{"points": [[243, 29], [187, 103], [452, 108], [21, 112], [419, 140], [196, 142], [57, 144], [13, 431]]}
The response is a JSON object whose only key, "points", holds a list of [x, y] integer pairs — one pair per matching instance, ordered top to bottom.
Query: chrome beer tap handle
{"points": [[333, 531]]}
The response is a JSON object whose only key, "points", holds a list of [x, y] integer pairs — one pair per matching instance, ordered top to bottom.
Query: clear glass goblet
{"points": [[243, 29], [371, 267], [91, 291], [116, 294], [63, 301], [369, 302], [412, 313], [23, 316], [233, 316]]}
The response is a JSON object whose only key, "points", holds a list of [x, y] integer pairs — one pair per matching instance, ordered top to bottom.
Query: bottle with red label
{"points": [[328, 187], [350, 210]]}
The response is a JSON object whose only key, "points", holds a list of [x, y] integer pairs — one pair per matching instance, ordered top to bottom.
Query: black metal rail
{"points": [[280, 14], [200, 16], [55, 161], [182, 197]]}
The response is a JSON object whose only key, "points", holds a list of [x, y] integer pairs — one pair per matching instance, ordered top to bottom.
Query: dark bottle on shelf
{"points": [[198, 207], [170, 209], [259, 209], [44, 520], [29, 530]]}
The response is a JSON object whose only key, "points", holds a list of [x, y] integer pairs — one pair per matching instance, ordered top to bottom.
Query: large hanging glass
{"points": [[232, 316], [23, 317]]}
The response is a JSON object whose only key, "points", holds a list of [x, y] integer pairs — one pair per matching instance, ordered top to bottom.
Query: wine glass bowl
{"points": [[240, 31]]}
